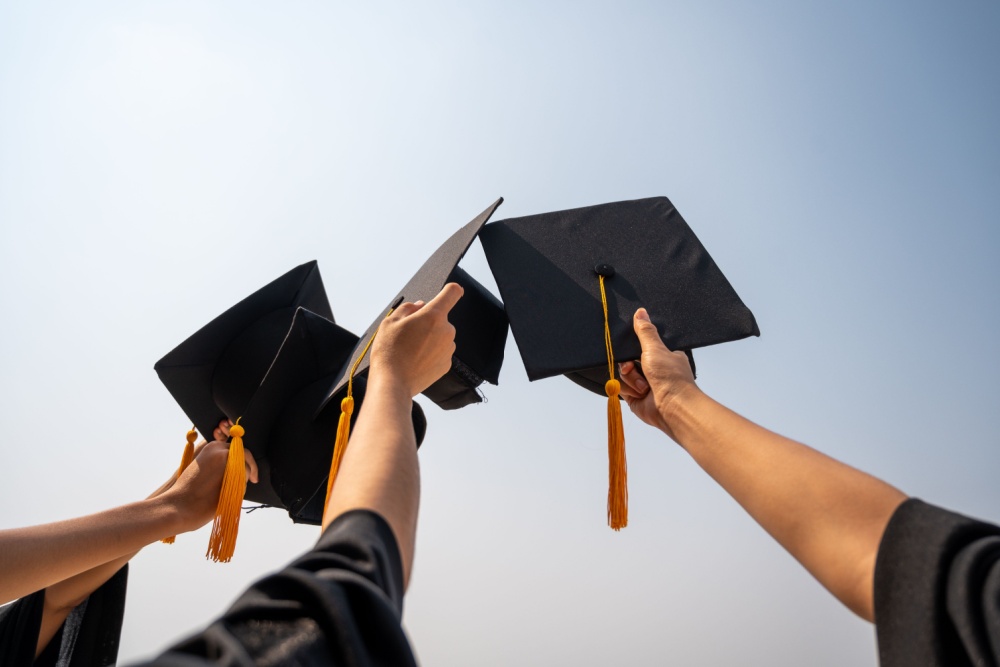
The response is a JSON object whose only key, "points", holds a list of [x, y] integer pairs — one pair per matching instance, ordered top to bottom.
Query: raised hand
{"points": [[415, 343], [665, 376]]}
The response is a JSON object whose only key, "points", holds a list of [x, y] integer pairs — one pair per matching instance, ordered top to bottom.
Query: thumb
{"points": [[649, 337]]}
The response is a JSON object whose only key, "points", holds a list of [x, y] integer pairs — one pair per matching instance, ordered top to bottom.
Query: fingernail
{"points": [[418, 303], [641, 314], [641, 384]]}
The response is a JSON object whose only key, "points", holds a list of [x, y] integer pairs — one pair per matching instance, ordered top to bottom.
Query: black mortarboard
{"points": [[548, 268], [478, 317], [480, 335], [270, 356], [213, 374]]}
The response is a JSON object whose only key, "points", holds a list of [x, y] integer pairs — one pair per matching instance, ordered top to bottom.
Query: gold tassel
{"points": [[344, 425], [340, 444], [186, 459], [617, 467], [617, 470], [226, 525]]}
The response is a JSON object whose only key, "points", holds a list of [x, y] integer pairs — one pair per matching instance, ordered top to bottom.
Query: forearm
{"points": [[380, 471], [829, 516], [39, 556], [70, 592]]}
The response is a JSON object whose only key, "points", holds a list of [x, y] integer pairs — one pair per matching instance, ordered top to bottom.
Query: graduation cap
{"points": [[572, 280], [479, 320], [480, 333], [267, 363], [279, 363]]}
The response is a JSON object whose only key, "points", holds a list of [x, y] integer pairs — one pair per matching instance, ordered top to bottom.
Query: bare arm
{"points": [[380, 471], [829, 516], [39, 556], [72, 558], [62, 596]]}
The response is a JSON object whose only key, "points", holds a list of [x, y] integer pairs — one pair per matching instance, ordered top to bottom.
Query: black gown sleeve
{"points": [[937, 589], [339, 604], [20, 622], [88, 637]]}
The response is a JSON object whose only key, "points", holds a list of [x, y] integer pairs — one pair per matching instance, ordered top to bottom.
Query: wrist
{"points": [[388, 385], [678, 409], [169, 514]]}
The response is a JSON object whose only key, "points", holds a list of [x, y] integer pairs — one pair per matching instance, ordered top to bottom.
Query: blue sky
{"points": [[840, 161]]}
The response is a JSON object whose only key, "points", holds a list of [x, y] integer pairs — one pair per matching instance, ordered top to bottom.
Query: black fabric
{"points": [[546, 267], [293, 455], [937, 589], [339, 604], [20, 623], [94, 640]]}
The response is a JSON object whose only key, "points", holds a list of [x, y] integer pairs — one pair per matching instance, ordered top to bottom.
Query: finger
{"points": [[446, 298], [406, 308], [649, 337], [633, 379], [627, 384], [632, 390], [628, 392], [221, 432], [251, 465]]}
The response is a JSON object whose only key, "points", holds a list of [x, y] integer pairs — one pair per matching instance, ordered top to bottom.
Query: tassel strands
{"points": [[344, 424], [340, 444], [186, 459], [617, 466], [222, 543]]}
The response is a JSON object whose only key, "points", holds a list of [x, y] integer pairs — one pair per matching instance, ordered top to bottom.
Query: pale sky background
{"points": [[840, 161]]}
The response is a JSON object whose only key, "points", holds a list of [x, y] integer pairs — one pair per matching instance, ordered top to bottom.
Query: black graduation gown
{"points": [[937, 589], [339, 604], [88, 638]]}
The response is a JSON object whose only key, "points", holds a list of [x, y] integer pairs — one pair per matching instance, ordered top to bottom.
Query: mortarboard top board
{"points": [[546, 268], [568, 277], [479, 320], [261, 361], [213, 373]]}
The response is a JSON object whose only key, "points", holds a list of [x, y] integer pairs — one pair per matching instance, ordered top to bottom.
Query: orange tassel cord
{"points": [[186, 459], [617, 465]]}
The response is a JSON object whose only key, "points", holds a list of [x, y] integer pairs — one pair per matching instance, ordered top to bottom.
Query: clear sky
{"points": [[840, 161]]}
